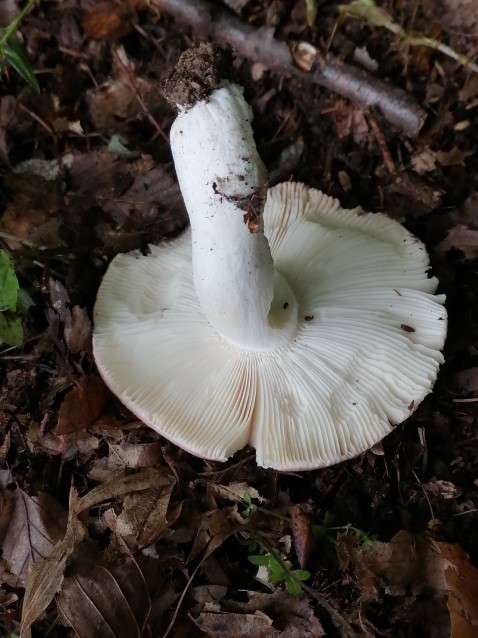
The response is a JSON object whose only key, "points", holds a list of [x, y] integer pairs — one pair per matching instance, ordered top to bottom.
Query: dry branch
{"points": [[258, 45]]}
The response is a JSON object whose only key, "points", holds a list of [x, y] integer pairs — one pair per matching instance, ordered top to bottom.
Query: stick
{"points": [[204, 17]]}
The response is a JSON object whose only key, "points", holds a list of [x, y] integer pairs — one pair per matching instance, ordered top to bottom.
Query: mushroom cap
{"points": [[365, 354]]}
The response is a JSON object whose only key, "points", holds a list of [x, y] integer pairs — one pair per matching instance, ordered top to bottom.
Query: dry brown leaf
{"points": [[107, 19], [350, 120], [136, 195], [31, 215], [77, 331], [82, 405], [51, 443], [136, 455], [106, 468], [119, 487], [235, 491], [145, 514], [30, 528], [302, 533], [408, 564], [413, 567], [46, 577], [462, 581], [208, 593], [112, 599], [295, 616], [216, 625]]}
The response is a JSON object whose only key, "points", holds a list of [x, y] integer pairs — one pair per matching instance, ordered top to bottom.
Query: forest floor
{"points": [[106, 529]]}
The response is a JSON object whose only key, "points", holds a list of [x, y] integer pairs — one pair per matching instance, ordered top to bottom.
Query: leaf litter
{"points": [[105, 528]]}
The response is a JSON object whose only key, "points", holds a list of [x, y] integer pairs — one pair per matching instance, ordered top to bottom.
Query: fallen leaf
{"points": [[107, 19], [350, 120], [77, 331], [82, 405], [135, 455], [118, 488], [235, 491], [145, 514], [29, 527], [302, 533], [420, 571], [46, 577], [462, 581], [111, 601], [294, 615], [216, 625]]}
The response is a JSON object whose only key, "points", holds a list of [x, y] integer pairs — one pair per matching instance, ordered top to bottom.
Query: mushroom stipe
{"points": [[304, 330]]}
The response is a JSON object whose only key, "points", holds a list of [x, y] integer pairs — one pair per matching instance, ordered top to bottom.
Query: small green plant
{"points": [[12, 53], [14, 302], [251, 507], [320, 531], [323, 531], [278, 571]]}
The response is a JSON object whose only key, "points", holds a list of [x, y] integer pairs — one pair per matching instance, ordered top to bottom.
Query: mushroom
{"points": [[278, 319]]}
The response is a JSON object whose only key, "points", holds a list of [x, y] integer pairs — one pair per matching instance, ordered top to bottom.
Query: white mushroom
{"points": [[306, 332]]}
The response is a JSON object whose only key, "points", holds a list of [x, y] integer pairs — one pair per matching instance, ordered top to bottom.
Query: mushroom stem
{"points": [[224, 183]]}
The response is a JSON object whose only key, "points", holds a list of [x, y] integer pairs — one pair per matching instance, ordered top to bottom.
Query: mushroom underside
{"points": [[366, 352]]}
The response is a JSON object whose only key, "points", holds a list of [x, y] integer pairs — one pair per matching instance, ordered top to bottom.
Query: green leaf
{"points": [[17, 58], [8, 283], [24, 301], [11, 331], [259, 560], [276, 572], [301, 574], [292, 586]]}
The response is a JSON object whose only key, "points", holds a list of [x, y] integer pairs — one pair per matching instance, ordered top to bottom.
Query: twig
{"points": [[258, 45]]}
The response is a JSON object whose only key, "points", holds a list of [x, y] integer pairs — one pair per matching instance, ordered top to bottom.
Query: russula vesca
{"points": [[297, 327]]}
